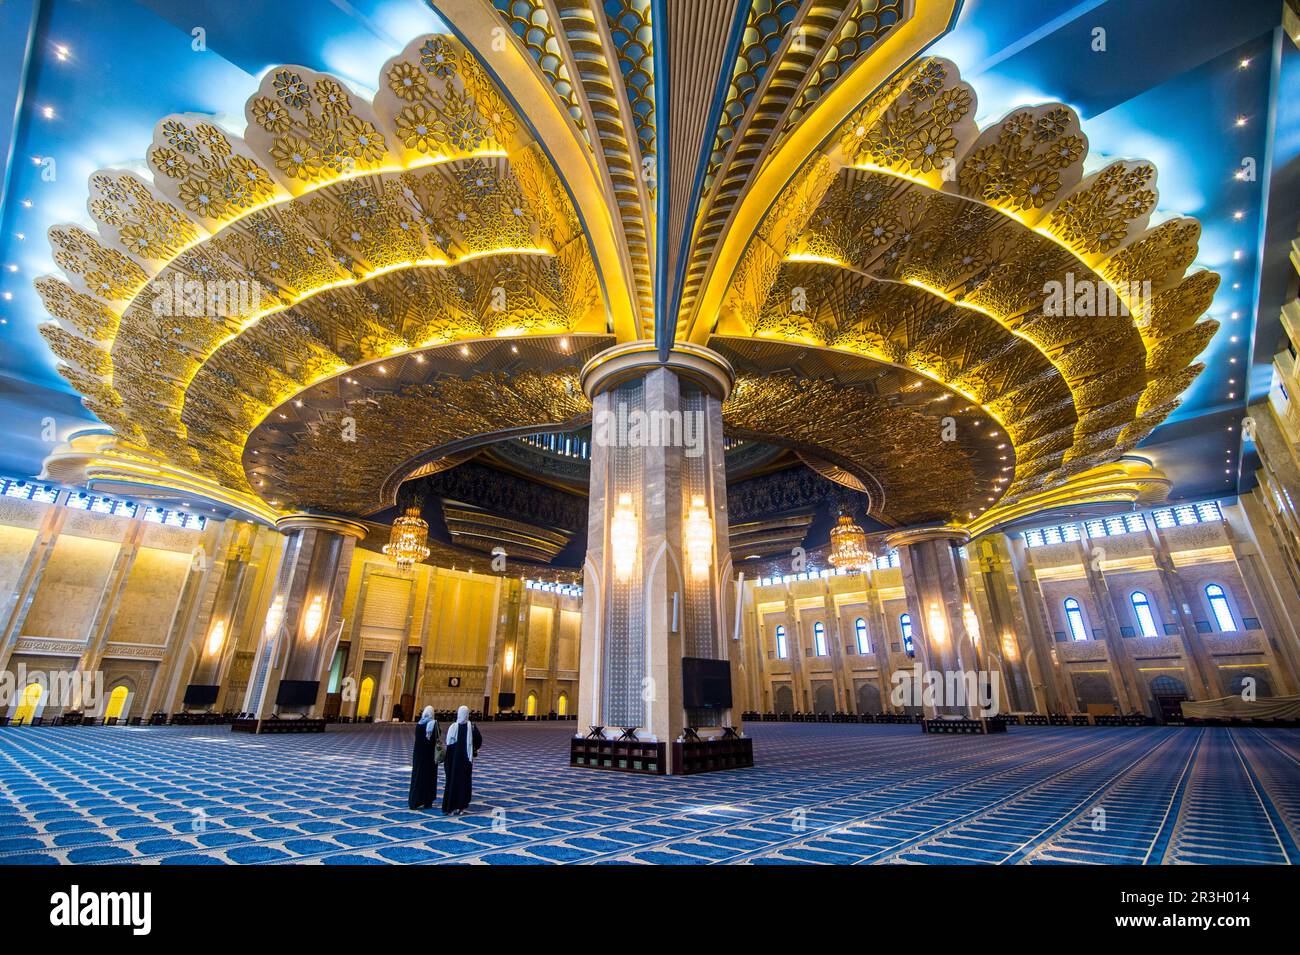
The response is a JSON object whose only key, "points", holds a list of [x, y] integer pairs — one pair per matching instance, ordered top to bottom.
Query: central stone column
{"points": [[658, 568], [303, 622], [944, 626]]}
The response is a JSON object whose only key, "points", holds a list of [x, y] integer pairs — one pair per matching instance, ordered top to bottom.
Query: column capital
{"points": [[613, 366], [307, 520], [935, 532]]}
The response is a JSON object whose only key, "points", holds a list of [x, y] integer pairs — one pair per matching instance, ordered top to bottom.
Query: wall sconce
{"points": [[623, 534], [699, 537], [274, 616], [311, 619], [972, 623], [937, 631], [216, 638], [1008, 646], [509, 663]]}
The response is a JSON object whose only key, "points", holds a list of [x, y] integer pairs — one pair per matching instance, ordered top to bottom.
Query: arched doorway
{"points": [[1169, 693], [365, 698], [824, 699], [869, 699], [783, 700], [29, 704], [530, 705], [562, 705], [117, 706]]}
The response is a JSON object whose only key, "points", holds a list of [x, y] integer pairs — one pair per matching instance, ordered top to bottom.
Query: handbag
{"points": [[439, 747]]}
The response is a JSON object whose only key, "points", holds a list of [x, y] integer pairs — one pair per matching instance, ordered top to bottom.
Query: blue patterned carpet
{"points": [[826, 793]]}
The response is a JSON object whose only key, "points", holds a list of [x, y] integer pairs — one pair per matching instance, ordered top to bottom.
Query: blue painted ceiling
{"points": [[1173, 80]]}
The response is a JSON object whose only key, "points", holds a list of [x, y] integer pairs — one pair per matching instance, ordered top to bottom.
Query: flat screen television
{"points": [[706, 684], [297, 692], [201, 694], [505, 701]]}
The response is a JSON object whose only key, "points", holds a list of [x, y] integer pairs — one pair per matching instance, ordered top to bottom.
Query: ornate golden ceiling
{"points": [[498, 211], [335, 232], [988, 261]]}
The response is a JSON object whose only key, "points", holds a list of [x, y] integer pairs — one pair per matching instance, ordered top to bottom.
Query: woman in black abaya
{"points": [[463, 742], [424, 761]]}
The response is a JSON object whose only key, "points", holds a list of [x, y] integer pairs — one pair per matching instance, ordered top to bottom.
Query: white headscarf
{"points": [[462, 718], [428, 722]]}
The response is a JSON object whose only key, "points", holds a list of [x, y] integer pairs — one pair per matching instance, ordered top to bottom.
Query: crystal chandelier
{"points": [[699, 537], [407, 545], [849, 545]]}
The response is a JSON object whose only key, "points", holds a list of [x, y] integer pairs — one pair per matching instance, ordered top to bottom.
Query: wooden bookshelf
{"points": [[710, 755], [624, 756]]}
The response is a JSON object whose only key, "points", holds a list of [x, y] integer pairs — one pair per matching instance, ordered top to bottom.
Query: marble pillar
{"points": [[658, 567], [303, 623], [945, 630], [215, 636], [1009, 640]]}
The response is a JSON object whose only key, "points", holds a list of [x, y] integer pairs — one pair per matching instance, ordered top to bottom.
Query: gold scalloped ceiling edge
{"points": [[325, 194], [912, 220]]}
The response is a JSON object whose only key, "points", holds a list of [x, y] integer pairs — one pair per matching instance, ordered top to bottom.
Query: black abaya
{"points": [[424, 768], [460, 772]]}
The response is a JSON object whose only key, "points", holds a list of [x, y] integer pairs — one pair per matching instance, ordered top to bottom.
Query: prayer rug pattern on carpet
{"points": [[819, 793]]}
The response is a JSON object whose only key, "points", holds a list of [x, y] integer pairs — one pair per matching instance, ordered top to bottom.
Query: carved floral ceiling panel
{"points": [[334, 231], [337, 233], [988, 261]]}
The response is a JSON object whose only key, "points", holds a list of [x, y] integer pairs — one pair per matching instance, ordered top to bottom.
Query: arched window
{"points": [[1219, 605], [1142, 608], [1074, 615], [905, 626], [819, 639], [864, 642], [782, 649], [530, 706], [562, 706]]}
